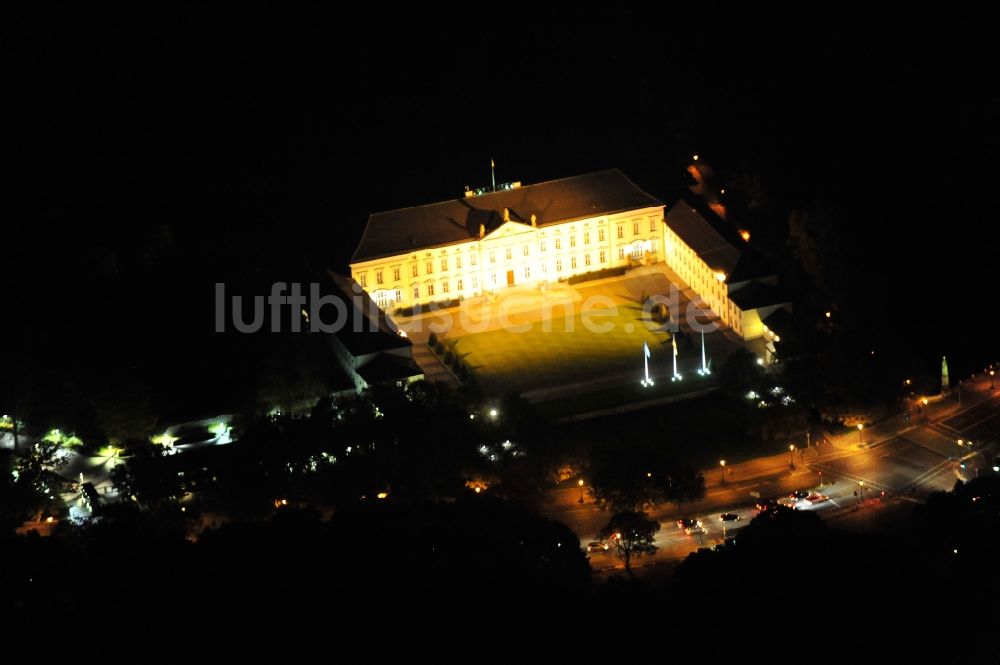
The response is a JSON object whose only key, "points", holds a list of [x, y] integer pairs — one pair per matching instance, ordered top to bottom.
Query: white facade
{"points": [[513, 254], [516, 254], [705, 280]]}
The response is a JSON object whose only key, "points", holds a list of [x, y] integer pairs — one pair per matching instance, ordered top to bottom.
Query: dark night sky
{"points": [[206, 142]]}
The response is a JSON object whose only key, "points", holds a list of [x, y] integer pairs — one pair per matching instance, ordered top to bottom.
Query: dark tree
{"points": [[815, 245], [741, 374], [293, 376], [123, 408], [146, 477], [638, 480], [630, 481], [31, 484], [684, 484], [632, 535]]}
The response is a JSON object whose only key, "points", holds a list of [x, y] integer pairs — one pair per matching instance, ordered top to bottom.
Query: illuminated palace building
{"points": [[529, 235]]}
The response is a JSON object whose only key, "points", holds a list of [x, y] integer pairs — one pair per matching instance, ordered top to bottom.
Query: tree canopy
{"points": [[634, 480], [631, 534]]}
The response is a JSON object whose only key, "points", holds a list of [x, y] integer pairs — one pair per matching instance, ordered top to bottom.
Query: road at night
{"points": [[889, 470]]}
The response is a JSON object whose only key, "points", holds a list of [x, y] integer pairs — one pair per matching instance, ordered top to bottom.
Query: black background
{"points": [[158, 149]]}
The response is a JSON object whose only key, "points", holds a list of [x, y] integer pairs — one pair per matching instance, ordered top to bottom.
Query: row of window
{"points": [[635, 228], [542, 245], [508, 253], [636, 253], [429, 265], [691, 268], [415, 270], [446, 287], [383, 297]]}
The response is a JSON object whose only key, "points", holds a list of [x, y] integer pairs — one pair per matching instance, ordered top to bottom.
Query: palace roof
{"points": [[410, 229], [694, 229]]}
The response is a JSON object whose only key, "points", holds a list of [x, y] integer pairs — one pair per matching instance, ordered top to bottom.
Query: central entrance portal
{"points": [[510, 278]]}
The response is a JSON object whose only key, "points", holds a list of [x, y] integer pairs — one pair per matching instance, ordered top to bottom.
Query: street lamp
{"points": [[992, 372], [861, 437], [791, 455], [722, 463], [580, 483], [862, 495]]}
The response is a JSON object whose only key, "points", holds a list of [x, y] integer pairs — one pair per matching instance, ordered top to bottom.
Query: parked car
{"points": [[729, 517], [686, 523]]}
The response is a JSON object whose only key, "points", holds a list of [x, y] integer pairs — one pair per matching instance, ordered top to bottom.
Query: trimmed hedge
{"points": [[597, 274], [430, 307]]}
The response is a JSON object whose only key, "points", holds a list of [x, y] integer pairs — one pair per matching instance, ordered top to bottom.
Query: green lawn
{"points": [[505, 360], [626, 395], [699, 431]]}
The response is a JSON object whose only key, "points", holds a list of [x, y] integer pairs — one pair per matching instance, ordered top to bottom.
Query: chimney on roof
{"points": [[506, 214], [534, 221], [482, 231]]}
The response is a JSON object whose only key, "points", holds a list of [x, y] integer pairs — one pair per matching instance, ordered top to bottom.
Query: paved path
{"points": [[433, 369]]}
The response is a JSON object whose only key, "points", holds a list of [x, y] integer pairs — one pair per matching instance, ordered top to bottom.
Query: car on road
{"points": [[799, 494], [816, 497], [788, 502], [771, 506], [729, 517], [685, 523], [695, 528], [598, 546]]}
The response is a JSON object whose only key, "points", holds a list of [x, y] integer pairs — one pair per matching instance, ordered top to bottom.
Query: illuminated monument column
{"points": [[945, 383]]}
